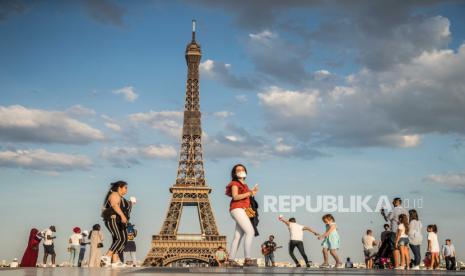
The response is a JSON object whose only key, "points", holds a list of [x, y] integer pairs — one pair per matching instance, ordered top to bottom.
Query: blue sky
{"points": [[316, 98]]}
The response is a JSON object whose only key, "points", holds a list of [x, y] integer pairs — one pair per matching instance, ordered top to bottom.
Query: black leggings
{"points": [[119, 235], [300, 246]]}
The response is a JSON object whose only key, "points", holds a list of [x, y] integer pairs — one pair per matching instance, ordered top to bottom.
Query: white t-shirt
{"points": [[401, 227], [296, 231], [45, 233], [433, 237], [75, 239], [367, 241]]}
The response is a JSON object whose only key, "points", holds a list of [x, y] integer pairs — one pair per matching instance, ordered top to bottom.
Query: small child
{"points": [[330, 242], [402, 242], [433, 245], [130, 246]]}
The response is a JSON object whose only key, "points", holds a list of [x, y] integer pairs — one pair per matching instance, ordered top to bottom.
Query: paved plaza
{"points": [[211, 271]]}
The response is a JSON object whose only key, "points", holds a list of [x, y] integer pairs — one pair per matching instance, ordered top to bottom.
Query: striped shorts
{"points": [[119, 235]]}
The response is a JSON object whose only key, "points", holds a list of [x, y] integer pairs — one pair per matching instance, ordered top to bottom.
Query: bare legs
{"points": [[333, 253], [405, 256]]}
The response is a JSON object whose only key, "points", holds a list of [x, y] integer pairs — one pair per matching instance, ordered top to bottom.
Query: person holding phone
{"points": [[241, 212]]}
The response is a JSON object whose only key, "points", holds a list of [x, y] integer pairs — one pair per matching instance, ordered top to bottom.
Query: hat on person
{"points": [[77, 230]]}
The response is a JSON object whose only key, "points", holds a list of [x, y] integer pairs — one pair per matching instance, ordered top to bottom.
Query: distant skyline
{"points": [[314, 97]]}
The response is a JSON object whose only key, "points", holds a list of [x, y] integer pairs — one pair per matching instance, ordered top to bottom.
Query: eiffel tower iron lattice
{"points": [[190, 188]]}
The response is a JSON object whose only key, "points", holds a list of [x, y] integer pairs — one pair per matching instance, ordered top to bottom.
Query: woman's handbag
{"points": [[250, 212]]}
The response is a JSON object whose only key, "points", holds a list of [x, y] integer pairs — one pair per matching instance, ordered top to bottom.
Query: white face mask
{"points": [[241, 175]]}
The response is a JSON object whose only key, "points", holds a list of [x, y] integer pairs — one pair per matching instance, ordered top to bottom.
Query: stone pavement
{"points": [[67, 271]]}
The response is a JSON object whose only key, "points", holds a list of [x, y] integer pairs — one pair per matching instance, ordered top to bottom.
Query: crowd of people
{"points": [[115, 215], [402, 233]]}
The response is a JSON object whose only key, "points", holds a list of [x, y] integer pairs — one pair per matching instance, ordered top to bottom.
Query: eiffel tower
{"points": [[190, 189]]}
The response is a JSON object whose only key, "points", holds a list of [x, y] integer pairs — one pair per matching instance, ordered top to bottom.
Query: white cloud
{"points": [[262, 37], [207, 66], [222, 72], [322, 74], [341, 91], [129, 93], [290, 103], [392, 108], [80, 110], [223, 114], [168, 122], [21, 124], [112, 124], [233, 138], [239, 143], [283, 148], [161, 151], [126, 156], [42, 160], [455, 182]]}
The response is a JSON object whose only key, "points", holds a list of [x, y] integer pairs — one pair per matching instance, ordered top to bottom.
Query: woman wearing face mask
{"points": [[240, 203]]}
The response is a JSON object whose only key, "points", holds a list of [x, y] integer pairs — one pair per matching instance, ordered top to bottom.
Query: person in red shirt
{"points": [[240, 195]]}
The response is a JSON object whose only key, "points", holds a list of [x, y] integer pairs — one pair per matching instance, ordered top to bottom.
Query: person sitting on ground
{"points": [[220, 256], [349, 263]]}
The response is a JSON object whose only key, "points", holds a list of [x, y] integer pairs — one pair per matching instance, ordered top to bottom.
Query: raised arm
{"points": [[386, 217], [284, 221], [306, 228]]}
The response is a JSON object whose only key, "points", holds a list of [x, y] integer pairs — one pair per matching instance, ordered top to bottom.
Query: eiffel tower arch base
{"points": [[167, 250]]}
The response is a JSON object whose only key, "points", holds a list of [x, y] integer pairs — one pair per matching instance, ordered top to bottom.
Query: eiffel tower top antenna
{"points": [[193, 30]]}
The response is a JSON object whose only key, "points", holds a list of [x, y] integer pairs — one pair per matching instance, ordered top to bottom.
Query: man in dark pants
{"points": [[393, 218], [296, 232], [448, 252]]}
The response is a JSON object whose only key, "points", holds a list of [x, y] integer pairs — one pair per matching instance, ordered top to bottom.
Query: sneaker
{"points": [[106, 261], [249, 262], [309, 264], [54, 265], [118, 265], [298, 265], [340, 265], [324, 266], [416, 267], [399, 268]]}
